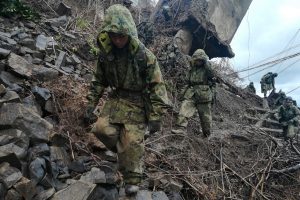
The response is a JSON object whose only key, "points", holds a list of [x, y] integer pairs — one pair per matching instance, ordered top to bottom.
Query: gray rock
{"points": [[63, 9], [56, 22], [15, 32], [2, 34], [22, 36], [28, 42], [41, 43], [25, 50], [4, 53], [38, 54], [29, 58], [61, 59], [75, 59], [37, 61], [19, 65], [68, 69], [42, 73], [9, 79], [2, 90], [42, 94], [11, 97], [30, 103], [49, 106], [17, 115], [13, 141], [38, 150], [60, 156], [11, 158], [77, 166], [37, 170], [9, 175], [94, 176], [26, 188], [2, 191], [71, 192], [105, 193], [12, 194], [44, 195], [143, 195], [160, 195]]}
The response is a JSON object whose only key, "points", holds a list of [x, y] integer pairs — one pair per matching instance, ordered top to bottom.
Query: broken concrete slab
{"points": [[19, 65], [17, 115], [9, 175], [94, 176], [71, 192]]}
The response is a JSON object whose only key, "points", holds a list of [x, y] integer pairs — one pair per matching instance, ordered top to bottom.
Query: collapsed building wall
{"points": [[206, 24]]}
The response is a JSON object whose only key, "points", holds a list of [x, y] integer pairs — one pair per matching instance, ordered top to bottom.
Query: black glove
{"points": [[89, 117], [154, 126]]}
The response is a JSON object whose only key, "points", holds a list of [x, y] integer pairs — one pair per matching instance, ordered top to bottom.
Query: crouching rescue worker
{"points": [[198, 94], [138, 97], [288, 116]]}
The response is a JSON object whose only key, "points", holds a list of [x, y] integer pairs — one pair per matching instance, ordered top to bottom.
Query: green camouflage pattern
{"points": [[118, 19], [268, 82], [250, 88], [138, 92], [198, 94], [289, 117]]}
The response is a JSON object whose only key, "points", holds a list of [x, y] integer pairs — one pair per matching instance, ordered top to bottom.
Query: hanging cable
{"points": [[288, 44], [264, 60], [274, 62], [288, 66], [293, 90]]}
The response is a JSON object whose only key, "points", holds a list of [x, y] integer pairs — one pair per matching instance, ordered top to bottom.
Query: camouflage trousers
{"points": [[266, 87], [188, 109], [290, 131], [127, 140]]}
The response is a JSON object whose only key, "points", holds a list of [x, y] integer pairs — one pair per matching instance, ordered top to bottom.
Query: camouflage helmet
{"points": [[118, 19], [199, 54], [275, 74]]}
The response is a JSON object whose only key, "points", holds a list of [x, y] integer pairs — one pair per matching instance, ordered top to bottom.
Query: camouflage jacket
{"points": [[132, 72], [200, 79], [289, 114]]}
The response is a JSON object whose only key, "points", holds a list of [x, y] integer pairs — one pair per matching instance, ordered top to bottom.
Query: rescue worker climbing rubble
{"points": [[268, 83], [250, 88], [198, 94], [138, 96], [289, 116]]}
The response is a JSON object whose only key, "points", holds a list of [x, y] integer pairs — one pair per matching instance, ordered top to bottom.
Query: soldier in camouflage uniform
{"points": [[268, 82], [250, 88], [198, 94], [138, 96], [288, 116]]}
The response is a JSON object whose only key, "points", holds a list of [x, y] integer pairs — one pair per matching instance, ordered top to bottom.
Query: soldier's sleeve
{"points": [[98, 84], [157, 91]]}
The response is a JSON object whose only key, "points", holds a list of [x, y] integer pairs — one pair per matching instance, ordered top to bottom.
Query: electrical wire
{"points": [[274, 62], [288, 66], [293, 90]]}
